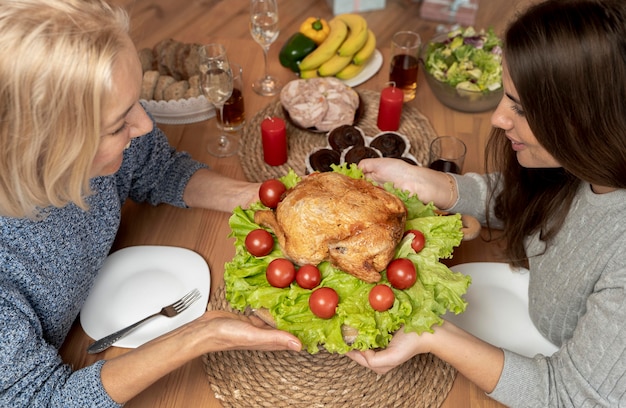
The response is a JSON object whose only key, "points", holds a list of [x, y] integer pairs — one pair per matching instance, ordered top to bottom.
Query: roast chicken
{"points": [[349, 222]]}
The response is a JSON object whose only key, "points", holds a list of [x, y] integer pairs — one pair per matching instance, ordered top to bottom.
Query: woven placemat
{"points": [[301, 143], [242, 379]]}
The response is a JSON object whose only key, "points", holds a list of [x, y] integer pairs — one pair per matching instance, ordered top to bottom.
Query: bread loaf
{"points": [[146, 56], [170, 71], [150, 79], [162, 83], [176, 91]]}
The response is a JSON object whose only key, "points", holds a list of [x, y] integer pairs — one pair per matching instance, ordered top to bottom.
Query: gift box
{"points": [[351, 6], [461, 12]]}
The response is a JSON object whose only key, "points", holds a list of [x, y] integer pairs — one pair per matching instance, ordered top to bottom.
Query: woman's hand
{"points": [[402, 174], [429, 185], [249, 194], [234, 331], [402, 348], [477, 360], [127, 375]]}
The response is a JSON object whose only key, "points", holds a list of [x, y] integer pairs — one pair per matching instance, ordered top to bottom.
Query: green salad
{"points": [[467, 60], [436, 290]]}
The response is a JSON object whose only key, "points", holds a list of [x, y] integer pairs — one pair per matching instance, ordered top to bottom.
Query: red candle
{"points": [[390, 108], [274, 141]]}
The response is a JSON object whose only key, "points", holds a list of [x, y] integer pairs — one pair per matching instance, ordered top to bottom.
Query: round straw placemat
{"points": [[414, 125], [242, 379]]}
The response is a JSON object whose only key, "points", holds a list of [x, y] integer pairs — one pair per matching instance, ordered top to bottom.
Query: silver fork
{"points": [[170, 311]]}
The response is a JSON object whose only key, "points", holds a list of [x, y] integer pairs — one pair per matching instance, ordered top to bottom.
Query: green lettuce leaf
{"points": [[418, 308]]}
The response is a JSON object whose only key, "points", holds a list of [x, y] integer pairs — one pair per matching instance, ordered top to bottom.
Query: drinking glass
{"points": [[264, 30], [405, 49], [217, 87], [233, 115], [447, 154]]}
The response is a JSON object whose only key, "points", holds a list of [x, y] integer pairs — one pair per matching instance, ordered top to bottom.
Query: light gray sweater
{"points": [[47, 268], [577, 300]]}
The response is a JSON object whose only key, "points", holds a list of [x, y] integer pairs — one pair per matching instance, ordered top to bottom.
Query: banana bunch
{"points": [[344, 52]]}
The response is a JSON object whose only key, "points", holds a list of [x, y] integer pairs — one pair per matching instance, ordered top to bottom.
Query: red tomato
{"points": [[271, 192], [419, 241], [259, 242], [280, 273], [401, 273], [308, 276], [381, 298], [323, 302]]}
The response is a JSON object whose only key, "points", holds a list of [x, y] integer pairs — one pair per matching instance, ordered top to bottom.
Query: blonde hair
{"points": [[55, 78]]}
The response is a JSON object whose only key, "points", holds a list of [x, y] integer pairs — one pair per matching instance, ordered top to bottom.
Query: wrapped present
{"points": [[351, 6], [461, 12]]}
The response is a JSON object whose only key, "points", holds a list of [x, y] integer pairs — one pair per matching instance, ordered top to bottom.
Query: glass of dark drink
{"points": [[405, 49], [233, 115], [447, 154]]}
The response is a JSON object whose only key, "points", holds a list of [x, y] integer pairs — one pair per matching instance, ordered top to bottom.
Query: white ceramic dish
{"points": [[371, 68], [181, 111], [138, 281], [497, 309]]}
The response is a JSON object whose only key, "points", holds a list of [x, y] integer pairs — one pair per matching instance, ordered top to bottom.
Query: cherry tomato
{"points": [[271, 192], [419, 241], [259, 242], [280, 273], [401, 273], [308, 276], [381, 298], [323, 302]]}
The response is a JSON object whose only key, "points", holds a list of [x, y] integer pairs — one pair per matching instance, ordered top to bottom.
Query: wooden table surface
{"points": [[205, 232]]}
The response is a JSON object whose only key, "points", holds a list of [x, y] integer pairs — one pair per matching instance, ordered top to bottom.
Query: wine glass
{"points": [[264, 30], [217, 87]]}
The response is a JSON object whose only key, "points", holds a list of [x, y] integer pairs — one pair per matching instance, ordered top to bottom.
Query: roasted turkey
{"points": [[349, 222]]}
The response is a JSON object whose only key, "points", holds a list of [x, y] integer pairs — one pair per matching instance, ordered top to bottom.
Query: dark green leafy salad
{"points": [[436, 290]]}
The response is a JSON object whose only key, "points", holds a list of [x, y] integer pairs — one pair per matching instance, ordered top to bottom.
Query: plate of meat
{"points": [[320, 104]]}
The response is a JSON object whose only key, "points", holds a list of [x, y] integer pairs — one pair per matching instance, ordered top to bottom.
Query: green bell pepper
{"points": [[294, 50]]}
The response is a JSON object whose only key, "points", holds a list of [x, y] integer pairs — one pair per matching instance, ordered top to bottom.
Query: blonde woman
{"points": [[75, 144]]}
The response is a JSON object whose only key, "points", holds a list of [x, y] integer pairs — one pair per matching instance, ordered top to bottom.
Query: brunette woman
{"points": [[555, 182]]}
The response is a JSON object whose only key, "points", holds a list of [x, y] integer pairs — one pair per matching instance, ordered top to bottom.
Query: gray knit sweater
{"points": [[47, 268], [577, 300]]}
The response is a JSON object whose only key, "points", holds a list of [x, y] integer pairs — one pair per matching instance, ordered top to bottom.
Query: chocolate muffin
{"points": [[342, 137], [390, 144], [358, 153], [321, 160]]}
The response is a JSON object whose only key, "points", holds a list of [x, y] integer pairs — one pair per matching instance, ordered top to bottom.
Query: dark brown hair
{"points": [[567, 61]]}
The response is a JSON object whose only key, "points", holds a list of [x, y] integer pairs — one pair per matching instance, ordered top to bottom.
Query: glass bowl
{"points": [[459, 99]]}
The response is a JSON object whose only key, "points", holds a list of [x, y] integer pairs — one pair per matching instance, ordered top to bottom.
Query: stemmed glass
{"points": [[264, 30], [217, 87]]}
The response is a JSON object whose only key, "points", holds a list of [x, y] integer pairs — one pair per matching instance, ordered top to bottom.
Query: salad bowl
{"points": [[463, 69]]}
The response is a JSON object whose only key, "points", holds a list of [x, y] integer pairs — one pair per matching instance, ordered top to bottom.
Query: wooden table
{"points": [[205, 232]]}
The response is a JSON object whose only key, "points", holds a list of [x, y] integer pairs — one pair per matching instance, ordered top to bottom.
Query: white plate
{"points": [[371, 68], [181, 111], [138, 281], [497, 309]]}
